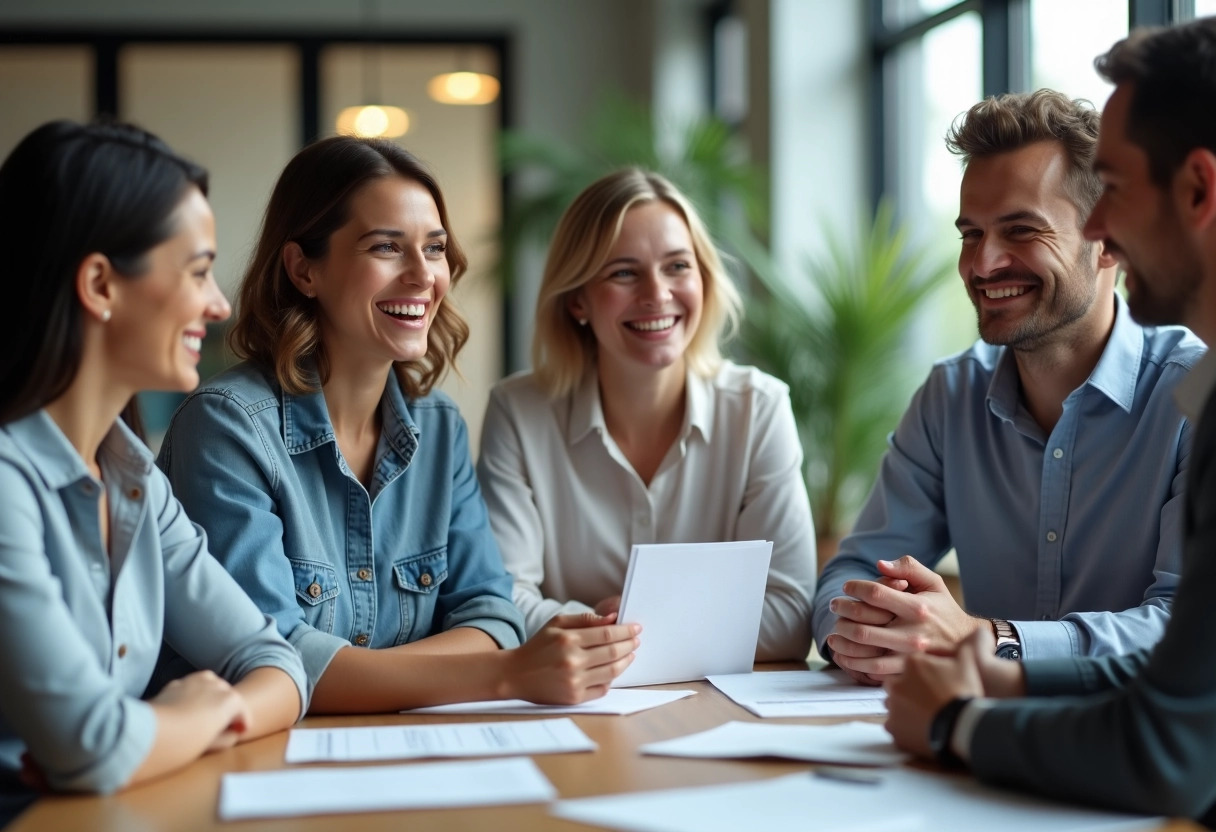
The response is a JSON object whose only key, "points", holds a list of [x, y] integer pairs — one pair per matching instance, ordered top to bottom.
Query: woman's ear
{"points": [[299, 270], [95, 286], [577, 307]]}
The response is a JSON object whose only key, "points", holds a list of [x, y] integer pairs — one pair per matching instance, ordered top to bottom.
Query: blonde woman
{"points": [[632, 428], [337, 484]]}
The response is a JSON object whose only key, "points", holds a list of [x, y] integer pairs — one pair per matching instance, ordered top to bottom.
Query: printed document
{"points": [[699, 605], [801, 693], [617, 702], [466, 739], [851, 743], [324, 791], [899, 800]]}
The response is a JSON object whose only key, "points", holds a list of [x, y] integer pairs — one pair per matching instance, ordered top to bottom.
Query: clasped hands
{"points": [[907, 610]]}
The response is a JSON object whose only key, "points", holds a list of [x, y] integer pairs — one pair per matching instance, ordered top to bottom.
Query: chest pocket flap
{"points": [[423, 573], [316, 582]]}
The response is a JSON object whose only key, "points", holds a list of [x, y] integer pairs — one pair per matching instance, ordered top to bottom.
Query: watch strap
{"points": [[941, 730]]}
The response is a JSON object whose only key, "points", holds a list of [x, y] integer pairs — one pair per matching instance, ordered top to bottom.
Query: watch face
{"points": [[1013, 652]]}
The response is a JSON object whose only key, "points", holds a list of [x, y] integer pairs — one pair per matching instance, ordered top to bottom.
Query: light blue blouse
{"points": [[334, 563], [81, 630]]}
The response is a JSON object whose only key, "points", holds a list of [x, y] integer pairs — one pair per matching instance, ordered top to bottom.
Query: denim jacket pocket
{"points": [[418, 578], [316, 583]]}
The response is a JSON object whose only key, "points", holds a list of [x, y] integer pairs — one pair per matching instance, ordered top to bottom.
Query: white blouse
{"points": [[566, 505]]}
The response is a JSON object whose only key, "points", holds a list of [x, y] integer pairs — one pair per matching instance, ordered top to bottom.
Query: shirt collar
{"points": [[1115, 375], [1193, 392], [587, 410], [306, 422], [56, 460]]}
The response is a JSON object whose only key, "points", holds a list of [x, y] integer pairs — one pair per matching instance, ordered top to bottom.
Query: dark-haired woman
{"points": [[108, 243], [337, 484]]}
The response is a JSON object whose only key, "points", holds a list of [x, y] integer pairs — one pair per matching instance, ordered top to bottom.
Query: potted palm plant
{"points": [[838, 333]]}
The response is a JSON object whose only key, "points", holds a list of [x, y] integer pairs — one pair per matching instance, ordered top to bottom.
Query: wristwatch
{"points": [[1007, 644], [941, 729]]}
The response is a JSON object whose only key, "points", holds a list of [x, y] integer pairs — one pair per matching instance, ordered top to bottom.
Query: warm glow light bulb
{"points": [[463, 88], [373, 121]]}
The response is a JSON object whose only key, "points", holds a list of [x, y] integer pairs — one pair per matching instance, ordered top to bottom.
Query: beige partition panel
{"points": [[41, 83]]}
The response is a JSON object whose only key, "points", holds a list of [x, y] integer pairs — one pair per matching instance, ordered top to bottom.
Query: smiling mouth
{"points": [[1005, 292], [403, 311], [654, 324], [194, 343]]}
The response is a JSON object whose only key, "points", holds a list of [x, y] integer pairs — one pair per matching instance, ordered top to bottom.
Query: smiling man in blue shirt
{"points": [[1050, 455]]}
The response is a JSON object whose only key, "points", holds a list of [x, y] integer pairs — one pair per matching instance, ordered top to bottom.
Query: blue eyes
{"points": [[434, 248]]}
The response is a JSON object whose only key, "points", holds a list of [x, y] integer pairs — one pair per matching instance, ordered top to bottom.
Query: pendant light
{"points": [[464, 86], [372, 119]]}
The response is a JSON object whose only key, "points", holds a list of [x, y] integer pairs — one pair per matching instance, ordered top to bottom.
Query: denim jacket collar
{"points": [[1115, 375], [587, 411], [306, 423], [58, 463]]}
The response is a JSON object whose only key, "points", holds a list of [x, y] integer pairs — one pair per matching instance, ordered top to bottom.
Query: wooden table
{"points": [[187, 800]]}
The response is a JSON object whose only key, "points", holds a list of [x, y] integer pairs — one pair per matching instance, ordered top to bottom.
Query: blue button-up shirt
{"points": [[1073, 535], [334, 563], [81, 629]]}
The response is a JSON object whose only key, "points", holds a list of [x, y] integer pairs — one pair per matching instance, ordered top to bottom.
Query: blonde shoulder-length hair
{"points": [[276, 325], [563, 352]]}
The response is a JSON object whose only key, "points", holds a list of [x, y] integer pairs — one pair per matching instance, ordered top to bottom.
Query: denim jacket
{"points": [[333, 563], [83, 628]]}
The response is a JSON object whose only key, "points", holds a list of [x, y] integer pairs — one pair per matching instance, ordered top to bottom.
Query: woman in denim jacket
{"points": [[108, 243], [337, 484]]}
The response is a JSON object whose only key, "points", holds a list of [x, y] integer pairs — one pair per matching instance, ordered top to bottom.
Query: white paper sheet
{"points": [[699, 605], [801, 693], [618, 702], [403, 742], [851, 743], [321, 791], [901, 801]]}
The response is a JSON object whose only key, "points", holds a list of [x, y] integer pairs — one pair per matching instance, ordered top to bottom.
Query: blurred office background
{"points": [[839, 102]]}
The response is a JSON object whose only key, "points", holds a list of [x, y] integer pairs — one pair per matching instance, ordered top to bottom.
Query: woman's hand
{"points": [[608, 606], [573, 659], [213, 701]]}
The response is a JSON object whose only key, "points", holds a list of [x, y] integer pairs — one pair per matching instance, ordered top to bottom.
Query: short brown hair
{"points": [[1172, 73], [1003, 123], [276, 325], [562, 351]]}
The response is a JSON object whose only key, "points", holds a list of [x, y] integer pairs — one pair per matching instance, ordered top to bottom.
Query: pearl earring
{"points": [[105, 316], [582, 321]]}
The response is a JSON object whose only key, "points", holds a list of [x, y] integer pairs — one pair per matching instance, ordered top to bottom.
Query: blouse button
{"points": [[135, 493], [364, 574], [425, 580], [315, 590], [361, 639], [122, 650]]}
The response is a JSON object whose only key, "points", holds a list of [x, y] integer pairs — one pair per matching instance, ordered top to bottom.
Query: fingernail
{"points": [[886, 563], [832, 606]]}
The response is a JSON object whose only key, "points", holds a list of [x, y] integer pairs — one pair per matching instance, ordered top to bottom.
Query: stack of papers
{"points": [[801, 693], [618, 702], [403, 742], [853, 743], [320, 791], [899, 800]]}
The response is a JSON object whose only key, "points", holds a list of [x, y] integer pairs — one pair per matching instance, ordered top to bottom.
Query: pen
{"points": [[858, 776]]}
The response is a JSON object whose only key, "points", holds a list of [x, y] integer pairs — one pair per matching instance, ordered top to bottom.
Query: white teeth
{"points": [[1006, 292], [409, 310], [656, 325], [193, 342]]}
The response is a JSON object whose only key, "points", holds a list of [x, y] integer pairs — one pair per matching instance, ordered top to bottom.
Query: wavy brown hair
{"points": [[1003, 123], [276, 325]]}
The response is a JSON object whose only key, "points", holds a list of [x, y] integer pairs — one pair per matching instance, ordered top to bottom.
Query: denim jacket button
{"points": [[364, 574], [425, 579], [315, 590], [361, 639]]}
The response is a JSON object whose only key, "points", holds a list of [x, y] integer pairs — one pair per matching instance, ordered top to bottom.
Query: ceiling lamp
{"points": [[463, 88], [372, 121]]}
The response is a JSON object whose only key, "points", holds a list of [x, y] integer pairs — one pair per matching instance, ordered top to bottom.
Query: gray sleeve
{"points": [[1145, 743]]}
